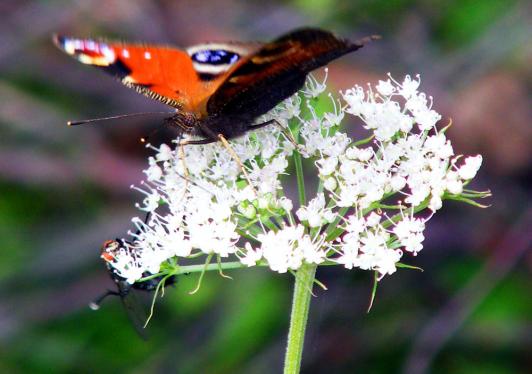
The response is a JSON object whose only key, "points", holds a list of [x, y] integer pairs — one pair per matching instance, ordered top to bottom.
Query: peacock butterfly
{"points": [[217, 89]]}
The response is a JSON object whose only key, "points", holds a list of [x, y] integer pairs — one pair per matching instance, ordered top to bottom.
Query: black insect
{"points": [[135, 310]]}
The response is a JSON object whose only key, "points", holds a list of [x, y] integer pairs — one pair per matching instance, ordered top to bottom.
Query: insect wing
{"points": [[276, 71], [183, 79], [134, 309]]}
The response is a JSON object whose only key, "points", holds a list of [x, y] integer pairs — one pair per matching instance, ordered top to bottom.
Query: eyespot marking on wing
{"points": [[215, 57], [212, 59]]}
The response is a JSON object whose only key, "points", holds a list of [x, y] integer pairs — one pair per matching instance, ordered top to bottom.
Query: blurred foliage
{"points": [[453, 23], [64, 191]]}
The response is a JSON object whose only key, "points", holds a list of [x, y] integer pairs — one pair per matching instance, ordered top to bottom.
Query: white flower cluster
{"points": [[366, 211]]}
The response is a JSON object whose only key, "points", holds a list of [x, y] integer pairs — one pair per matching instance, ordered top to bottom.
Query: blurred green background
{"points": [[63, 191]]}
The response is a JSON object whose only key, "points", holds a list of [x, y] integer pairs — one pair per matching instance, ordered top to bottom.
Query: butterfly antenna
{"points": [[362, 41], [85, 121]]}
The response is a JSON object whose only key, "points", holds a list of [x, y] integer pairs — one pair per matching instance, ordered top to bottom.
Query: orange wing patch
{"points": [[162, 73], [165, 74]]}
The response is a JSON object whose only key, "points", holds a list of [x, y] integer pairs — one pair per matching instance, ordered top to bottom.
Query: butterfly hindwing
{"points": [[276, 71], [184, 79]]}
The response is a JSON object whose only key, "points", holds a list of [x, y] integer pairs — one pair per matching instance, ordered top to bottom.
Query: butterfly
{"points": [[218, 90]]}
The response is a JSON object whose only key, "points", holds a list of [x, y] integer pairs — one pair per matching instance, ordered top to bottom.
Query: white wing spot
{"points": [[125, 53], [147, 55]]}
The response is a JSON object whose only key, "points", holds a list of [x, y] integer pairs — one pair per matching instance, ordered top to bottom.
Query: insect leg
{"points": [[263, 124], [285, 131], [212, 137], [198, 141], [183, 160], [238, 160], [95, 304]]}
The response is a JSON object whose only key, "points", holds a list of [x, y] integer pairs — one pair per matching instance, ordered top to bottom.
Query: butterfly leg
{"points": [[263, 124], [286, 131], [212, 137], [198, 141], [226, 144], [182, 157]]}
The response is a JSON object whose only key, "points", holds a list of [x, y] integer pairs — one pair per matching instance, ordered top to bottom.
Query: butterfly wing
{"points": [[276, 71], [183, 79]]}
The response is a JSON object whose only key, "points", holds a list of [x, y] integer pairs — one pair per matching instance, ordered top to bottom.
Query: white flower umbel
{"points": [[369, 210]]}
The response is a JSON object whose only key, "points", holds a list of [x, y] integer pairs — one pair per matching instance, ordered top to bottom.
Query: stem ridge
{"points": [[304, 281]]}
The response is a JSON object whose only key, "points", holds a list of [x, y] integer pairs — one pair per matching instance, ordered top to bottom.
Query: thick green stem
{"points": [[304, 281]]}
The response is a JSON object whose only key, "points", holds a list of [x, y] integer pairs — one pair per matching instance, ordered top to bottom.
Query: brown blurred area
{"points": [[63, 191]]}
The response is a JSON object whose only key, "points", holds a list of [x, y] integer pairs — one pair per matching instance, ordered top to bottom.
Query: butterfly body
{"points": [[215, 88]]}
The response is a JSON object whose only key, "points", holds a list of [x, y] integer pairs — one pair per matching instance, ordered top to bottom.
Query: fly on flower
{"points": [[110, 252]]}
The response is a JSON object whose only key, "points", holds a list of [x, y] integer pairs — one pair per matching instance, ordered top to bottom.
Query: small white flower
{"points": [[409, 87], [313, 88], [385, 88], [354, 98], [292, 107], [439, 145], [165, 153], [364, 154], [327, 165], [470, 167], [153, 173], [397, 182], [330, 184], [453, 184], [150, 202], [435, 203], [286, 204], [315, 212], [373, 219], [409, 231], [177, 244], [280, 248], [313, 252], [251, 256], [349, 257], [385, 260]]}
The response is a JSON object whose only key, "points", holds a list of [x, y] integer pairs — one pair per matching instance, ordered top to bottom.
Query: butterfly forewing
{"points": [[184, 79]]}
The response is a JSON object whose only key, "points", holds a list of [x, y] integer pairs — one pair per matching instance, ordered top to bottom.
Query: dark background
{"points": [[63, 191]]}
